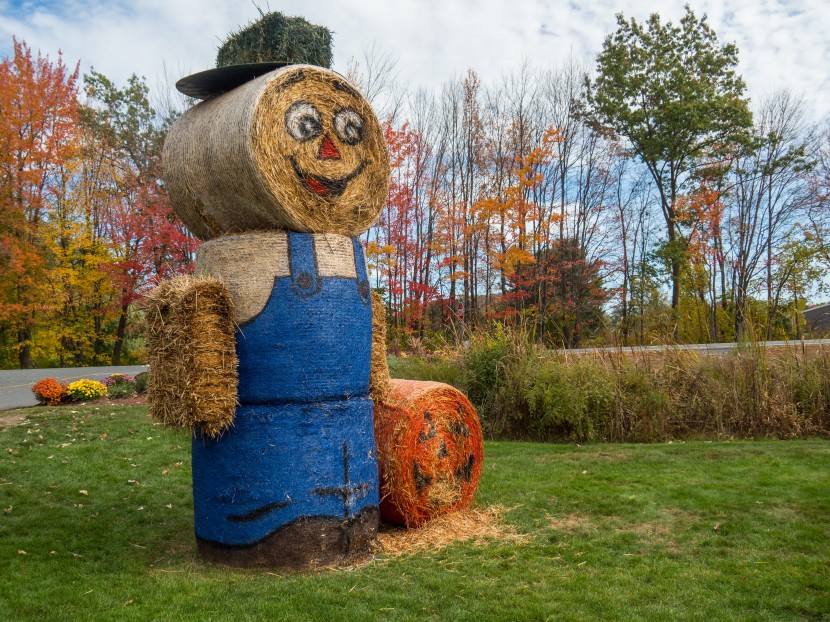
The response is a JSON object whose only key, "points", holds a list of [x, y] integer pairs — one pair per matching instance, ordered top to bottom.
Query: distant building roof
{"points": [[818, 318]]}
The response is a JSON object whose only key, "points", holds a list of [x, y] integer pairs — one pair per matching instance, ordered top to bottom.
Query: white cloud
{"points": [[783, 43]]}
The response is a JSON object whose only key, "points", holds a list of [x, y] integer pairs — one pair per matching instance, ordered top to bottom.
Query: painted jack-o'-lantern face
{"points": [[321, 150]]}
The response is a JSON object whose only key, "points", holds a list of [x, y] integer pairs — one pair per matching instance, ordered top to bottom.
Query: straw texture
{"points": [[298, 148], [190, 340], [379, 385], [430, 451]]}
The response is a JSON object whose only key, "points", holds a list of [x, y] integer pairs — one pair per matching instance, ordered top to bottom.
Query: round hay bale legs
{"points": [[290, 485]]}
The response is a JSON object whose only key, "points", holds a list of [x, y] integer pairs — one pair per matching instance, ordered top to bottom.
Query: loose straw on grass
{"points": [[478, 525]]}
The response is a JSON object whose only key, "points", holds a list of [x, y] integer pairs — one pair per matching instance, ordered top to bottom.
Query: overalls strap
{"points": [[360, 270], [305, 278]]}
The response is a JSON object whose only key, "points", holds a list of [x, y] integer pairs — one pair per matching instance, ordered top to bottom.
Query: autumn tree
{"points": [[673, 93], [38, 114], [769, 189], [819, 204], [146, 238], [397, 250], [796, 270], [80, 288]]}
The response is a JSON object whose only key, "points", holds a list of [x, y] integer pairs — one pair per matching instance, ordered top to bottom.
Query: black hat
{"points": [[271, 42], [213, 82]]}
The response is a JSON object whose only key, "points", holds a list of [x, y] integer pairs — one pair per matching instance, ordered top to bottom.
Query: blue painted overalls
{"points": [[302, 443]]}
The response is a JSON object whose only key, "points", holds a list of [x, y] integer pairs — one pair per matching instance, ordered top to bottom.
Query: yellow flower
{"points": [[86, 390]]}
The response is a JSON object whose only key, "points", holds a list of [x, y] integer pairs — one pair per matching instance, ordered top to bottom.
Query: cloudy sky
{"points": [[783, 43]]}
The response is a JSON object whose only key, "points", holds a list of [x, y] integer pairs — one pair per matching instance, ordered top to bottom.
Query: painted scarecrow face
{"points": [[320, 149]]}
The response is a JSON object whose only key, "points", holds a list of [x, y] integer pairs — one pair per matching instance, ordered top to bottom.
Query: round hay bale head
{"points": [[298, 148], [430, 451]]}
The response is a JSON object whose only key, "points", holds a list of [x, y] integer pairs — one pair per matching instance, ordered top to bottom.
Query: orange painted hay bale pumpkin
{"points": [[430, 451]]}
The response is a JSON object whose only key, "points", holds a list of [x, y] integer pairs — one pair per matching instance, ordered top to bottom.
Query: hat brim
{"points": [[214, 82]]}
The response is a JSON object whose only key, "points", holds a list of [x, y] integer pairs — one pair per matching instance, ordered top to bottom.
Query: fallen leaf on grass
{"points": [[165, 471], [83, 492], [8, 510], [716, 527], [21, 552]]}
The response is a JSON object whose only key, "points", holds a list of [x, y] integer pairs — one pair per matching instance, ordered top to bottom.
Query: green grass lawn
{"points": [[99, 499]]}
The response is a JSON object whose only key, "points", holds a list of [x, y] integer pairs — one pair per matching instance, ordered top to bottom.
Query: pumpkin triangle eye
{"points": [[303, 121]]}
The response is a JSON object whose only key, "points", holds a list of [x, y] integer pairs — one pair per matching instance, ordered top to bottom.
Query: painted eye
{"points": [[303, 121], [349, 126]]}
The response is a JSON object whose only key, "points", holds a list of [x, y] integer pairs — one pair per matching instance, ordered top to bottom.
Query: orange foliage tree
{"points": [[38, 120]]}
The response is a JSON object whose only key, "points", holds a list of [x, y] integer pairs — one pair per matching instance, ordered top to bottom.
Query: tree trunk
{"points": [[675, 293], [119, 336], [24, 341]]}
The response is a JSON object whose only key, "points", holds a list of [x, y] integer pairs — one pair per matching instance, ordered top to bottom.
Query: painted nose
{"points": [[327, 150]]}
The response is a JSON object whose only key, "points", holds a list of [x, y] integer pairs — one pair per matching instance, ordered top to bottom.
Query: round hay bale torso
{"points": [[298, 148], [303, 311], [430, 451]]}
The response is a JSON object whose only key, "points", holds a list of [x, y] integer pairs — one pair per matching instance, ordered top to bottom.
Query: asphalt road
{"points": [[16, 384]]}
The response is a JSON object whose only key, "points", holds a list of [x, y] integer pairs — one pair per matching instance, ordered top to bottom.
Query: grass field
{"points": [[97, 525]]}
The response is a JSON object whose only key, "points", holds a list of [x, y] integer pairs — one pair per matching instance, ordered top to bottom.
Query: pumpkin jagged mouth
{"points": [[324, 186]]}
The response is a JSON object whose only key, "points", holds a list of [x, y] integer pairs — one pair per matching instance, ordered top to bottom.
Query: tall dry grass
{"points": [[524, 392]]}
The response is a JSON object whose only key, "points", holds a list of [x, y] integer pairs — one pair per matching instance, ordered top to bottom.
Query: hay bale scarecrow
{"points": [[278, 169]]}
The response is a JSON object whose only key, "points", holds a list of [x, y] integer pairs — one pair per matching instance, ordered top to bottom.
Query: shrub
{"points": [[497, 370], [117, 379], [141, 382], [119, 385], [121, 389], [86, 390], [49, 391], [572, 400], [640, 405]]}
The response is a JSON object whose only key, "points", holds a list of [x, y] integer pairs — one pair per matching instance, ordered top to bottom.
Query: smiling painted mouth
{"points": [[323, 186]]}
